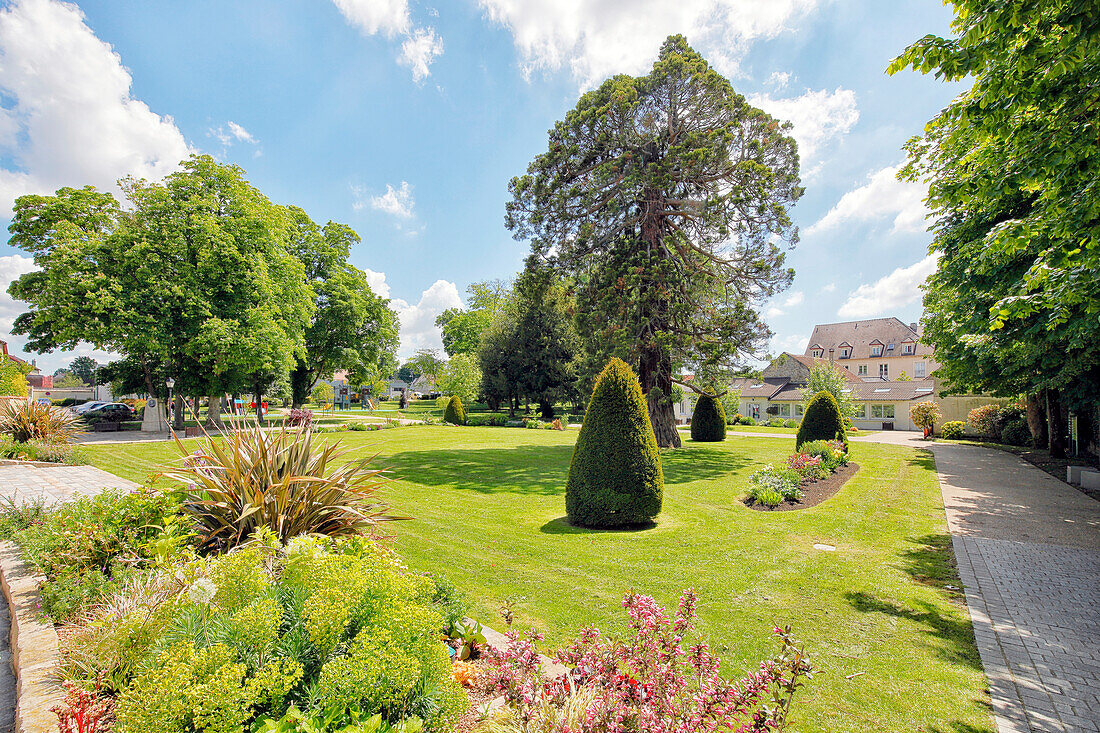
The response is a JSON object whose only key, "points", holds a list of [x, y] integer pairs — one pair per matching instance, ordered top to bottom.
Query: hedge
{"points": [[455, 412], [822, 421], [708, 422]]}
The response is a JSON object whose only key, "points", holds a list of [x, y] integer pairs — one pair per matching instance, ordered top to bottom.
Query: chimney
{"points": [[913, 326], [831, 350]]}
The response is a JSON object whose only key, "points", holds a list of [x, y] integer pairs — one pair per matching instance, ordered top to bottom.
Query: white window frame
{"points": [[907, 349], [876, 351], [817, 353], [845, 353], [920, 369], [861, 370], [884, 371], [785, 409], [798, 409], [861, 411], [882, 412]]}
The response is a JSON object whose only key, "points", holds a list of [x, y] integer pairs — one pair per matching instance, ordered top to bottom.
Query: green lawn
{"points": [[488, 506]]}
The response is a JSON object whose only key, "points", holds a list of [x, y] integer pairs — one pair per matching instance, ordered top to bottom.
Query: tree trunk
{"points": [[655, 374], [299, 385], [259, 397], [177, 404], [214, 412], [1037, 420], [1057, 425]]}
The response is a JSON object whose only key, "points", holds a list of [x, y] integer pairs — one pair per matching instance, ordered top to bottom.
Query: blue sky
{"points": [[406, 119]]}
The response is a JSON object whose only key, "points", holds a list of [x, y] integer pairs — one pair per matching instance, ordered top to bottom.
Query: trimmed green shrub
{"points": [[455, 412], [747, 420], [822, 421], [708, 422], [790, 423], [952, 430], [1016, 432], [615, 477]]}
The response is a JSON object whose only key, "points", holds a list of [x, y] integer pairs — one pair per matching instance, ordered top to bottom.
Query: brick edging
{"points": [[33, 645]]}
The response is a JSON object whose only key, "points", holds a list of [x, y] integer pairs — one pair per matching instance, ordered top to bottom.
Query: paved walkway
{"points": [[23, 483]]}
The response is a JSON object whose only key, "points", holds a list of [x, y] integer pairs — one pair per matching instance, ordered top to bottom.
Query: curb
{"points": [[33, 645]]}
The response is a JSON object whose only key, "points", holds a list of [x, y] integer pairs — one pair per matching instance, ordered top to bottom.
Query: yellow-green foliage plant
{"points": [[455, 412], [708, 421], [615, 477], [281, 480], [335, 628]]}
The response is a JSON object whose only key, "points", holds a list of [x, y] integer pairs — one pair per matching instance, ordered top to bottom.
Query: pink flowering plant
{"points": [[808, 467], [658, 680]]}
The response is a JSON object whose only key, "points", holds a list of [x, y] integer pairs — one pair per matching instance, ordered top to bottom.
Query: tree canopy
{"points": [[1012, 170], [666, 197]]}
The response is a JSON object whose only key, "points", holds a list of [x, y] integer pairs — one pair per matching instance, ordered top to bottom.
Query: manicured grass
{"points": [[488, 506]]}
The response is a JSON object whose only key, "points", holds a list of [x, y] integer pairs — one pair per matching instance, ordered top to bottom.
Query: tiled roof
{"points": [[861, 334], [810, 362], [764, 388], [892, 391]]}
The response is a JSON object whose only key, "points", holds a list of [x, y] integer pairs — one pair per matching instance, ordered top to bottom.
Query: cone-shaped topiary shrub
{"points": [[455, 413], [822, 421], [708, 422], [615, 478]]}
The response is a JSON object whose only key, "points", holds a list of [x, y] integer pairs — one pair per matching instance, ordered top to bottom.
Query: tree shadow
{"points": [[924, 458], [696, 462], [523, 469], [539, 469], [562, 525], [931, 562], [957, 636], [957, 726]]}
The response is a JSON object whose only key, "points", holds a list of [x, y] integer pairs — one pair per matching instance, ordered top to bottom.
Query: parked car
{"points": [[82, 408], [109, 412]]}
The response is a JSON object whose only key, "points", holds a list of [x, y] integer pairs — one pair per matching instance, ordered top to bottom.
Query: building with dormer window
{"points": [[878, 349]]}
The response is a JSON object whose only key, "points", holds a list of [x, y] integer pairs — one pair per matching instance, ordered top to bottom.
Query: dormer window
{"points": [[907, 349], [876, 350], [817, 353], [845, 353]]}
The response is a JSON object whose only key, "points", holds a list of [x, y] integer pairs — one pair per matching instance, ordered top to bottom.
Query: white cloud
{"points": [[388, 17], [391, 18], [599, 38], [419, 50], [779, 79], [818, 116], [72, 120], [240, 133], [883, 196], [395, 201], [11, 267], [377, 282], [831, 287], [900, 288], [795, 298], [773, 311], [418, 329], [792, 343]]}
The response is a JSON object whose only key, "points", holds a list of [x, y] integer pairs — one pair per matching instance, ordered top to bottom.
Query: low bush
{"points": [[455, 412], [300, 418], [492, 419], [747, 420], [984, 420], [27, 421], [775, 422], [790, 423], [952, 430], [1016, 432], [832, 453], [808, 467], [254, 478], [770, 481], [333, 630], [614, 683]]}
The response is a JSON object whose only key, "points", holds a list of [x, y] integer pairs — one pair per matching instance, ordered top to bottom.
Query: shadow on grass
{"points": [[924, 459], [697, 462], [522, 469], [539, 469], [562, 525], [931, 562], [957, 636], [960, 727]]}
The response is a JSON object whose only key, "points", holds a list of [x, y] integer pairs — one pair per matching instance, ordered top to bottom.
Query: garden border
{"points": [[34, 645]]}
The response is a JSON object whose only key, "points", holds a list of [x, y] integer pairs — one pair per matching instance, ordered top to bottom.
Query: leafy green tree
{"points": [[1011, 167], [666, 197], [195, 276], [352, 328], [462, 329], [546, 341], [426, 362], [84, 368], [500, 371], [461, 376], [830, 378], [68, 381], [13, 382], [321, 394], [708, 421], [615, 476]]}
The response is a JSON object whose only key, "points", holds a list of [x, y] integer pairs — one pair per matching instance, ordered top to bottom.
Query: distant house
{"points": [[877, 348], [424, 385], [396, 387], [880, 404]]}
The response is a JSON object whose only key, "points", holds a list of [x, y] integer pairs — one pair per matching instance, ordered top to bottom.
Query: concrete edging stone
{"points": [[34, 645]]}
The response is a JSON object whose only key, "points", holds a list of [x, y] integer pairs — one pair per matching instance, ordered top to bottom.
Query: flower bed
{"points": [[809, 470]]}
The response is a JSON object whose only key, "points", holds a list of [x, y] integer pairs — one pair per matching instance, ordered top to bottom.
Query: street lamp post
{"points": [[170, 383]]}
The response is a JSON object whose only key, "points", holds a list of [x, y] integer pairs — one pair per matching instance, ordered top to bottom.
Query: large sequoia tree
{"points": [[665, 197]]}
